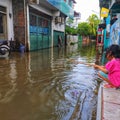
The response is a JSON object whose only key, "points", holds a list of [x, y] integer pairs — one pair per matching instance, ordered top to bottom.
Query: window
{"points": [[2, 19], [1, 24]]}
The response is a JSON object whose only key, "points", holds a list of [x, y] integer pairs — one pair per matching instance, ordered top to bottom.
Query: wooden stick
{"points": [[80, 62], [89, 64]]}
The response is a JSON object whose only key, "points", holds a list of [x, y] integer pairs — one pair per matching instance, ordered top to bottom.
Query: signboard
{"points": [[104, 12]]}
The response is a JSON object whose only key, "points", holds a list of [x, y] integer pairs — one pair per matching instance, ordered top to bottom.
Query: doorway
{"points": [[3, 23]]}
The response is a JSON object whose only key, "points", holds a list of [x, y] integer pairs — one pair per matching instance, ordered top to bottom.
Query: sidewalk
{"points": [[108, 107]]}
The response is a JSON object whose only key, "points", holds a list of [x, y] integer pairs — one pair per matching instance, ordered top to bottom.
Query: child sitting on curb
{"points": [[111, 71]]}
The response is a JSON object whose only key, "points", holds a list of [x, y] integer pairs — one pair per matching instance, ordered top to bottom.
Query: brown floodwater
{"points": [[47, 85]]}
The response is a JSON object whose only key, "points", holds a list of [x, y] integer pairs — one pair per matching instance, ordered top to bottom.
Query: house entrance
{"points": [[3, 23]]}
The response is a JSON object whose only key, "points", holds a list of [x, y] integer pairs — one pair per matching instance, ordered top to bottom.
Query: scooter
{"points": [[4, 48]]}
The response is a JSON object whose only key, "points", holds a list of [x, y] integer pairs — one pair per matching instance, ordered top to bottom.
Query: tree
{"points": [[93, 20], [88, 28], [84, 29], [69, 30]]}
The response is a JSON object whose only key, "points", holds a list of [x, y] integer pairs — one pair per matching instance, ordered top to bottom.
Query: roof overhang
{"points": [[73, 1], [47, 4], [115, 7], [77, 14]]}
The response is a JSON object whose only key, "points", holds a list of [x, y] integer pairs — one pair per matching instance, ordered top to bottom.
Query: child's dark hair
{"points": [[114, 50]]}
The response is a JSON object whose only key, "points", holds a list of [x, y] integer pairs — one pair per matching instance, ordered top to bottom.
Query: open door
{"points": [[3, 23]]}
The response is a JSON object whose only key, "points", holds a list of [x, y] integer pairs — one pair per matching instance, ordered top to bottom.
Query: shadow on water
{"points": [[46, 85]]}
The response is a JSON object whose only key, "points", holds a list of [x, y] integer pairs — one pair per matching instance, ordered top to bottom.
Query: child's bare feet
{"points": [[109, 86]]}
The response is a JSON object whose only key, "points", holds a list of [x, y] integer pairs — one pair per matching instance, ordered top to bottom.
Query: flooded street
{"points": [[47, 85]]}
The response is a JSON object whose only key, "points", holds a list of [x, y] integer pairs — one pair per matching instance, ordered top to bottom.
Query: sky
{"points": [[87, 8]]}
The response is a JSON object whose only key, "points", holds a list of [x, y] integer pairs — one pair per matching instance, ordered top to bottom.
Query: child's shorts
{"points": [[103, 74]]}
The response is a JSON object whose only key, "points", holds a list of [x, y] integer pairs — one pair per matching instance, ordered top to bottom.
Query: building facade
{"points": [[6, 20], [34, 23], [111, 31]]}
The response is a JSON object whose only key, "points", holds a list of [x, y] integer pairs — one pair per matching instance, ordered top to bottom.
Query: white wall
{"points": [[8, 5], [58, 27], [72, 39]]}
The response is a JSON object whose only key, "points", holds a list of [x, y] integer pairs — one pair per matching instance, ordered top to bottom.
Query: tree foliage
{"points": [[93, 20], [88, 28], [84, 29], [69, 30]]}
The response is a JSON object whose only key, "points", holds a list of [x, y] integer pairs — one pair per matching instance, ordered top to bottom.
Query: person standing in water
{"points": [[59, 41]]}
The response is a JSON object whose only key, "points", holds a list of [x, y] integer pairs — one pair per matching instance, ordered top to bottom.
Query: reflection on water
{"points": [[45, 85]]}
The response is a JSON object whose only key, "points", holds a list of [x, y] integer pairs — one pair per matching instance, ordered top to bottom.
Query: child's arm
{"points": [[102, 68]]}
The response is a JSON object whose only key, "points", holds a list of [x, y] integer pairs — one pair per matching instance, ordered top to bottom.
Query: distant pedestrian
{"points": [[59, 41], [111, 71]]}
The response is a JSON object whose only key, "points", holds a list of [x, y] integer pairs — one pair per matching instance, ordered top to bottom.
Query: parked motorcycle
{"points": [[4, 48]]}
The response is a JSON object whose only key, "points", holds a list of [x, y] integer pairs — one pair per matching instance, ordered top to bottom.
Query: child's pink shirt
{"points": [[113, 68]]}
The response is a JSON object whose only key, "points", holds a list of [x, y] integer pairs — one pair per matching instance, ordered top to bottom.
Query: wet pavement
{"points": [[46, 85], [108, 103]]}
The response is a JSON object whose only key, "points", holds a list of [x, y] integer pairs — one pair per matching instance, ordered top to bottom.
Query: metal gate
{"points": [[39, 32]]}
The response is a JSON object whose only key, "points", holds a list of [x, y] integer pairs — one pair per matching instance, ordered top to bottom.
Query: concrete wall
{"points": [[72, 39]]}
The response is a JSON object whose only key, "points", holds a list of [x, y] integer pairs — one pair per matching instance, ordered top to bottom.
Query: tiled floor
{"points": [[108, 104], [111, 104]]}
